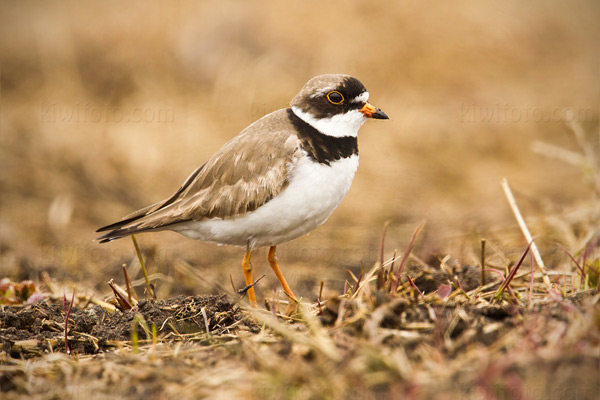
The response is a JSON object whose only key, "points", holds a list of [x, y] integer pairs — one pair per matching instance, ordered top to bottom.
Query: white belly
{"points": [[314, 192]]}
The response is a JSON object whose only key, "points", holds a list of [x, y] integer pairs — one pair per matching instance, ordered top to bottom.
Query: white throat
{"points": [[339, 125]]}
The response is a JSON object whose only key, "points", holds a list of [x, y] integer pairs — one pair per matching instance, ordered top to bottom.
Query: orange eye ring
{"points": [[335, 97]]}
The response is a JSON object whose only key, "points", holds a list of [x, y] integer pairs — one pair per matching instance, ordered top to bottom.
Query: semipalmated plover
{"points": [[279, 179]]}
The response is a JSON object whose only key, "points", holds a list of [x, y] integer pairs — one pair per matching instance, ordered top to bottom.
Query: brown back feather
{"points": [[243, 175]]}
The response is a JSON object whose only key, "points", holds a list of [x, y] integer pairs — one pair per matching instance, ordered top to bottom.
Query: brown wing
{"points": [[244, 174]]}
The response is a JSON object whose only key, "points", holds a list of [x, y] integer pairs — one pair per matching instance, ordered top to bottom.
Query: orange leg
{"points": [[247, 269], [286, 288]]}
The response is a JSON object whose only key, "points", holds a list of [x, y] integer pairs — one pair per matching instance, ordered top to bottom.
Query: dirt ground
{"points": [[107, 107], [369, 343]]}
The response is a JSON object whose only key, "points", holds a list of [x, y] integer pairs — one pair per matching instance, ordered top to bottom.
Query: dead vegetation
{"points": [[475, 94], [439, 334]]}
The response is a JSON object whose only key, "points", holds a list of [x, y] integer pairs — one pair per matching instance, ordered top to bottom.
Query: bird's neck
{"points": [[338, 125]]}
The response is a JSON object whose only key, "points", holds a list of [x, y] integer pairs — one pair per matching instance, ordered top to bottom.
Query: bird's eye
{"points": [[335, 97]]}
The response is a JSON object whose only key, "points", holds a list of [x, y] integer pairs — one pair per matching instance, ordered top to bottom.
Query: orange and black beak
{"points": [[371, 112]]}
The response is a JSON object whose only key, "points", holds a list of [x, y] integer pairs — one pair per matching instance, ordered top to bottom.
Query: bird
{"points": [[277, 180]]}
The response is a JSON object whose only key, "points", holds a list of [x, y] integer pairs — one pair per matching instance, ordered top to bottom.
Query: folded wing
{"points": [[243, 175]]}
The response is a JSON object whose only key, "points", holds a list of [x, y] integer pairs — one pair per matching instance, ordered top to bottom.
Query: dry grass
{"points": [[107, 107], [371, 342]]}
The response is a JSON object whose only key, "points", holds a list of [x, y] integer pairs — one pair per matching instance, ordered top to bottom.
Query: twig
{"points": [[582, 142], [559, 153], [483, 241], [382, 243], [406, 254], [536, 254], [393, 262], [143, 265], [581, 270], [381, 272], [512, 273], [360, 277], [354, 278], [502, 278], [531, 281], [232, 285], [413, 285], [458, 287], [130, 290], [242, 292], [120, 296], [319, 299], [275, 306], [68, 314], [138, 319], [206, 321]]}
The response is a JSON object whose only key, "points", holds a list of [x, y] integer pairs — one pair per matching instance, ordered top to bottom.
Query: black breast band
{"points": [[320, 147]]}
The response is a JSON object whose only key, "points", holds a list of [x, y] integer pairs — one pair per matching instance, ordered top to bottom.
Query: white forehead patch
{"points": [[361, 98]]}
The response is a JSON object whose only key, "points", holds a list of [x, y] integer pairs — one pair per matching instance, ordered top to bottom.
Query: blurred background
{"points": [[106, 107]]}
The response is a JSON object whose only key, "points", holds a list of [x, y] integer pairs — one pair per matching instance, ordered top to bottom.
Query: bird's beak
{"points": [[371, 112]]}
